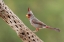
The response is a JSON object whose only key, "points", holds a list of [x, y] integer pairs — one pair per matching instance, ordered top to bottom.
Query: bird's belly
{"points": [[36, 25]]}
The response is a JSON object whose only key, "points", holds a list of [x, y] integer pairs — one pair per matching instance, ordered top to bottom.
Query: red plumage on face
{"points": [[28, 15]]}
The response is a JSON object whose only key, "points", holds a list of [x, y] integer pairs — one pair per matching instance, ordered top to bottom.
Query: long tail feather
{"points": [[56, 29]]}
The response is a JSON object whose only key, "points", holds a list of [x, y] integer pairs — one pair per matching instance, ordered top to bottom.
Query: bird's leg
{"points": [[37, 29]]}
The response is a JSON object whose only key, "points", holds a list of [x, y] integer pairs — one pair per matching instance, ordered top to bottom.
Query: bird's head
{"points": [[29, 14]]}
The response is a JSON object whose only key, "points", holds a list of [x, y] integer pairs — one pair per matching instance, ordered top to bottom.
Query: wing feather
{"points": [[38, 22]]}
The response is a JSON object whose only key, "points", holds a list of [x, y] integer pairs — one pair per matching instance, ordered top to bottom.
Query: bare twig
{"points": [[12, 20]]}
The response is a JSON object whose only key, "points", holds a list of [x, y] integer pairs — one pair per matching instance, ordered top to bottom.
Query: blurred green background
{"points": [[50, 12]]}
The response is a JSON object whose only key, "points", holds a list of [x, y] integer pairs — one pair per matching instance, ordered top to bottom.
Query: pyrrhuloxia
{"points": [[37, 23]]}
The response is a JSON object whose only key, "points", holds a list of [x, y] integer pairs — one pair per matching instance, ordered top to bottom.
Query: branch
{"points": [[21, 29]]}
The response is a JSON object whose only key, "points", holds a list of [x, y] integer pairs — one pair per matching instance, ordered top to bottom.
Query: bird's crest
{"points": [[28, 9]]}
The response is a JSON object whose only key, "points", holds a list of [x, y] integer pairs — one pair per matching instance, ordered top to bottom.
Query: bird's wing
{"points": [[36, 21]]}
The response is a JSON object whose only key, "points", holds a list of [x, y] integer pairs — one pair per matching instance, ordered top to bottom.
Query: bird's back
{"points": [[36, 23]]}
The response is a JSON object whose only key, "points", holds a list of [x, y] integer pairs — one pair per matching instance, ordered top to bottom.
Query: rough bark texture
{"points": [[21, 29]]}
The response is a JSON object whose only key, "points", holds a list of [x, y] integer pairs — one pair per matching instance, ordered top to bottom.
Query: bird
{"points": [[37, 23]]}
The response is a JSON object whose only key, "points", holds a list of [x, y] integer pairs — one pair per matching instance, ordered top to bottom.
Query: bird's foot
{"points": [[37, 29]]}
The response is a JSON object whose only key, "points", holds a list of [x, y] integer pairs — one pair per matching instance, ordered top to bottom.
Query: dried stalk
{"points": [[21, 29]]}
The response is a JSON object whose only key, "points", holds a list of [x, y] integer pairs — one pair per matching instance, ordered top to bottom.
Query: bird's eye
{"points": [[29, 14]]}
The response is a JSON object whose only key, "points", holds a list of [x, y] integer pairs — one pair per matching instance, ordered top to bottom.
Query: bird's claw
{"points": [[37, 29]]}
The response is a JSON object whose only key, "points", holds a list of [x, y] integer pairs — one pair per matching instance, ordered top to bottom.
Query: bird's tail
{"points": [[56, 29]]}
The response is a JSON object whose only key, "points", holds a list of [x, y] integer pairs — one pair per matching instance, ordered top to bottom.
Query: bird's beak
{"points": [[27, 16]]}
